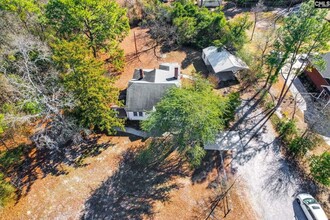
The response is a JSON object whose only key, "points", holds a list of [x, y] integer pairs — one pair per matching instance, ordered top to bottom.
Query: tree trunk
{"points": [[254, 25], [94, 52], [4, 144]]}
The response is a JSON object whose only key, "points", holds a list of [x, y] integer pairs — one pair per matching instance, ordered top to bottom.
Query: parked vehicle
{"points": [[311, 207]]}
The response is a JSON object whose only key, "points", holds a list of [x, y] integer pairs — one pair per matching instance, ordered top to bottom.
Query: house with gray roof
{"points": [[222, 63], [147, 88]]}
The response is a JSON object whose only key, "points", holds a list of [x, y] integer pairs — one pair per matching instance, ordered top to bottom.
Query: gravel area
{"points": [[271, 182]]}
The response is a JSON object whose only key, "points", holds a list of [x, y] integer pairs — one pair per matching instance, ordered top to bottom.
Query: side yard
{"points": [[149, 56], [109, 182], [112, 185]]}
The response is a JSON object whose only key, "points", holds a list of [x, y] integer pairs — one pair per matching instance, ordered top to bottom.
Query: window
{"points": [[135, 114], [140, 114], [310, 201]]}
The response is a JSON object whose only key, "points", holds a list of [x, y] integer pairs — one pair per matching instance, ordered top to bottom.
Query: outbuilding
{"points": [[222, 63]]}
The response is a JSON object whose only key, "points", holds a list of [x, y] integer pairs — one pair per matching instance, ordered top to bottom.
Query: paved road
{"points": [[269, 179]]}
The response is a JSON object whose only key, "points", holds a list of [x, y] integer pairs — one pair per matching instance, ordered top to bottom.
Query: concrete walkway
{"points": [[297, 89], [135, 132]]}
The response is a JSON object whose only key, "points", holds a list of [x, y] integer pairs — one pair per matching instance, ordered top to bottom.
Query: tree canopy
{"points": [[103, 23], [195, 26], [202, 27], [49, 72], [94, 93], [193, 115], [320, 168]]}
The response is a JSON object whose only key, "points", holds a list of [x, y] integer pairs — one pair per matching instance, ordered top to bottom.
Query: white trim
{"points": [[130, 116]]}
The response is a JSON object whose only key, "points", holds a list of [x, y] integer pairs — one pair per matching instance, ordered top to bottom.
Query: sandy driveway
{"points": [[270, 182]]}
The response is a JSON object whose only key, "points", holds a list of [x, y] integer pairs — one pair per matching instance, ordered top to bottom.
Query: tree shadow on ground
{"points": [[230, 10], [194, 57], [228, 83], [317, 116], [131, 137], [245, 144], [210, 161], [36, 163], [287, 174], [281, 178], [132, 190]]}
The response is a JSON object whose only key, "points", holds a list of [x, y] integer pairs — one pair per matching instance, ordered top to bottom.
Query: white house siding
{"points": [[206, 61], [131, 116]]}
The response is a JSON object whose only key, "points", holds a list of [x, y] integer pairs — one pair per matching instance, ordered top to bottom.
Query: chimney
{"points": [[176, 72], [141, 74]]}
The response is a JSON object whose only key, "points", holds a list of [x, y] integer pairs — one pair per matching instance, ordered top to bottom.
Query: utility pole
{"points": [[136, 51], [224, 192], [219, 199], [226, 205]]}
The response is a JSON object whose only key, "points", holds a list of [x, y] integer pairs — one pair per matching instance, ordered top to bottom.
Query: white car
{"points": [[311, 207]]}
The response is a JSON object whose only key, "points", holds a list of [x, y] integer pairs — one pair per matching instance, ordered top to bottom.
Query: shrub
{"points": [[233, 102], [269, 105], [31, 107], [7, 108], [275, 120], [3, 125], [288, 129], [300, 145], [155, 152], [146, 156], [195, 156], [11, 157], [320, 168], [7, 191]]}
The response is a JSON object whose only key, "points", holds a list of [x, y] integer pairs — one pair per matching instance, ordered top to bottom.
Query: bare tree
{"points": [[259, 7], [157, 19], [34, 80]]}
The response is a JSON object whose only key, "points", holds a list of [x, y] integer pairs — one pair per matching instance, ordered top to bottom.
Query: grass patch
{"points": [[275, 120], [11, 158], [8, 160], [7, 192]]}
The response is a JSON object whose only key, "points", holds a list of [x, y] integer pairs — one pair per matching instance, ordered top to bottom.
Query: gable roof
{"points": [[223, 61], [164, 74], [144, 94], [143, 97]]}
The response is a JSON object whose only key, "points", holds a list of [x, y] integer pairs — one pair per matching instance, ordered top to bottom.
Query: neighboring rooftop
{"points": [[223, 61], [326, 72], [145, 91]]}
